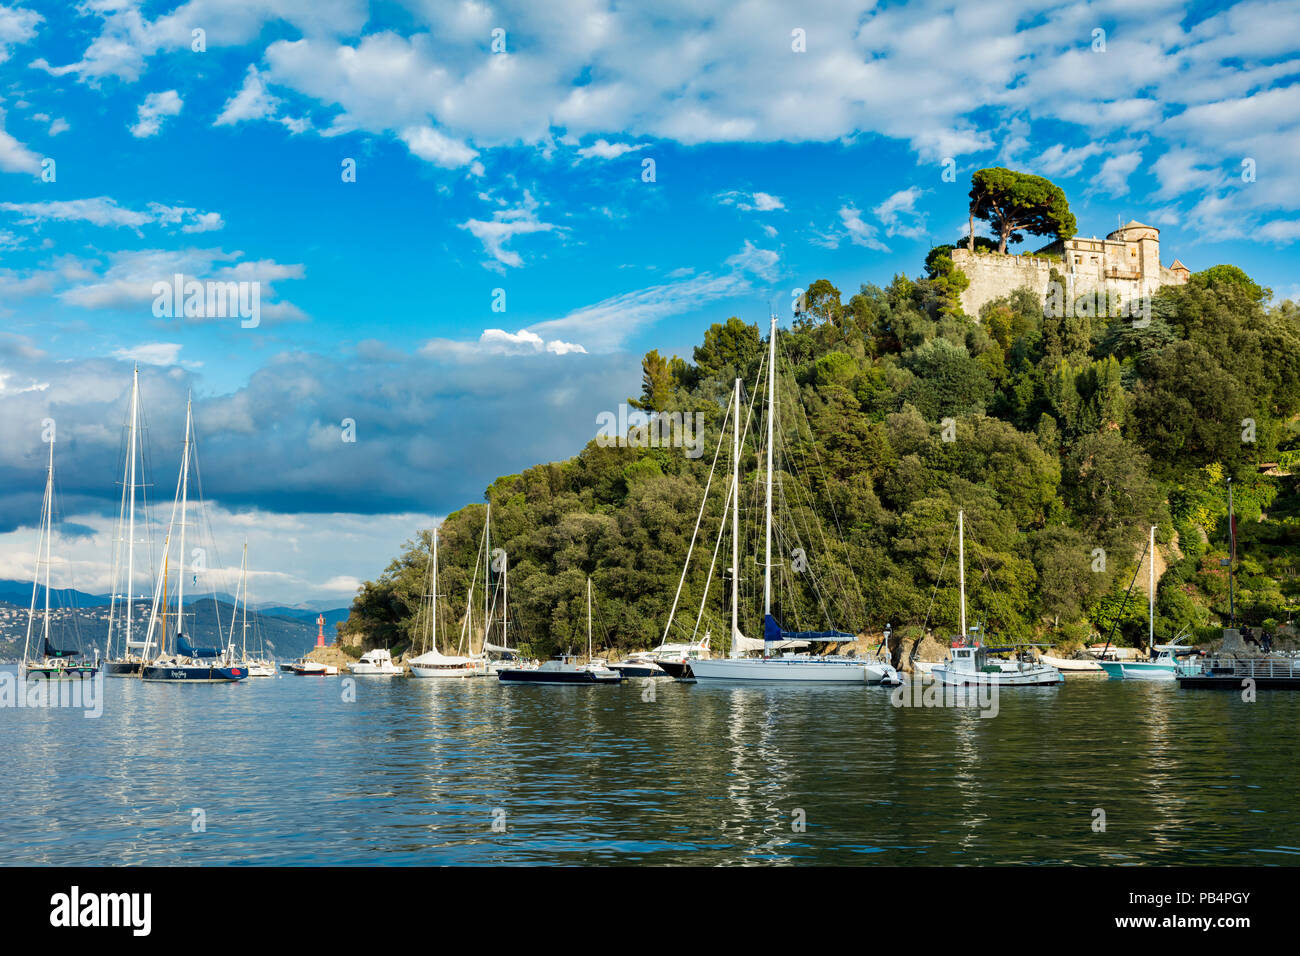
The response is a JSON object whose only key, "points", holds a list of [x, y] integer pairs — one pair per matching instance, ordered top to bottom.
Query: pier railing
{"points": [[1251, 667]]}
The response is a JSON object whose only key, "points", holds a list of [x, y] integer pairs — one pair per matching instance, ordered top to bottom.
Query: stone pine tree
{"points": [[1017, 203]]}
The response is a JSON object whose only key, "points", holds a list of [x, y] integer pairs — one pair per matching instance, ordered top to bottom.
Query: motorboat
{"points": [[375, 663], [973, 665], [561, 670]]}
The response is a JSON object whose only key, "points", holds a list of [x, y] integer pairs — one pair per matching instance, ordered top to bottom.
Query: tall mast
{"points": [[771, 421], [185, 488], [130, 521], [735, 524], [49, 532], [1232, 558], [961, 569], [487, 572], [243, 574], [1151, 595], [505, 598], [433, 607], [588, 619]]}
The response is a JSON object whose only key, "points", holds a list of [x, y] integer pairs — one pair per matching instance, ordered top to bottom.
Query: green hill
{"points": [[1069, 437]]}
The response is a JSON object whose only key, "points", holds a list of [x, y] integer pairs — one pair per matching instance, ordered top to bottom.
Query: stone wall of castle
{"points": [[1125, 266]]}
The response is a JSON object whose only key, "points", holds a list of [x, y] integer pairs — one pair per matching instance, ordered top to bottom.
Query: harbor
{"points": [[416, 772]]}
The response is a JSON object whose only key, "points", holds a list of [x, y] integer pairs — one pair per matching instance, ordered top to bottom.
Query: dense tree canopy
{"points": [[1016, 203], [1062, 440]]}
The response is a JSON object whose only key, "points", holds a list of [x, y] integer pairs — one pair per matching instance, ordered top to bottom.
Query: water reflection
{"points": [[287, 771]]}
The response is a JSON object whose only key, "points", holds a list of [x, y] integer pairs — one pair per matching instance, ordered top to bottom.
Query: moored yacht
{"points": [[376, 663], [433, 663]]}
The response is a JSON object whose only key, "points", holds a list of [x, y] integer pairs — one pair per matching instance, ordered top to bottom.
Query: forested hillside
{"points": [[1070, 435]]}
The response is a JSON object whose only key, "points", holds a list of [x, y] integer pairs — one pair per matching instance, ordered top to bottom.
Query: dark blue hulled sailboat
{"points": [[189, 664]]}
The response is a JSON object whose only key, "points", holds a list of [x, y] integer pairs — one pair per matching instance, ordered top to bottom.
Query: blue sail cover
{"points": [[772, 631], [184, 647], [52, 651]]}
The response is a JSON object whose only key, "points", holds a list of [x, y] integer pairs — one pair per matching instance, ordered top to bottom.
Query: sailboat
{"points": [[121, 607], [968, 659], [52, 663], [186, 663], [433, 663], [1163, 663], [789, 665], [259, 666], [563, 669]]}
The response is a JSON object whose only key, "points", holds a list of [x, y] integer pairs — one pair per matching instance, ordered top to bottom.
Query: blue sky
{"points": [[523, 171]]}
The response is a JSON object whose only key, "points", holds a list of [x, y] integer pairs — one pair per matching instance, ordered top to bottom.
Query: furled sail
{"points": [[772, 631], [184, 647], [52, 651]]}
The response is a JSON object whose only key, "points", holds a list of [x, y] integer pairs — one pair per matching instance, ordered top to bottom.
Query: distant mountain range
{"points": [[80, 620]]}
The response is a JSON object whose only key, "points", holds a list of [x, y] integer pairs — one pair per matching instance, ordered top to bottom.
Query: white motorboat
{"points": [[969, 661], [376, 663], [1072, 664], [973, 665]]}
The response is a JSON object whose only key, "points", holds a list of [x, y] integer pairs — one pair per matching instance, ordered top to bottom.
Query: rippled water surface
{"points": [[416, 772]]}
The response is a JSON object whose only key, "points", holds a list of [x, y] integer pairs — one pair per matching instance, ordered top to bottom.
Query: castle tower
{"points": [[1138, 255]]}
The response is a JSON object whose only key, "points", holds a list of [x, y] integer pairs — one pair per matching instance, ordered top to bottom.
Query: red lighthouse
{"points": [[320, 631]]}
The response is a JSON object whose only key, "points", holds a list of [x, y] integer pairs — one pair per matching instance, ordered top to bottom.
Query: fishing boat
{"points": [[121, 607], [781, 659], [432, 662], [969, 662], [52, 663], [185, 663], [375, 663], [564, 669]]}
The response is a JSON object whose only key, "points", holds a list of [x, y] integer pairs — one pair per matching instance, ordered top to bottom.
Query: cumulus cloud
{"points": [[17, 26], [155, 108]]}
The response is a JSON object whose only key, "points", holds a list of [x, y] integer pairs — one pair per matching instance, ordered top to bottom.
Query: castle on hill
{"points": [[1125, 264]]}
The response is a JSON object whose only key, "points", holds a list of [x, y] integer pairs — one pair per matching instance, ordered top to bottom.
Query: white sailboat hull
{"points": [[467, 670], [805, 670]]}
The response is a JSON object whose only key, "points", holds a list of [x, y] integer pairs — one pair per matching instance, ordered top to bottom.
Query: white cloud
{"points": [[17, 26], [252, 102], [155, 108], [434, 147], [606, 150], [14, 156], [1115, 171], [751, 202], [105, 211], [898, 214], [504, 225], [859, 231], [761, 262], [152, 353]]}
